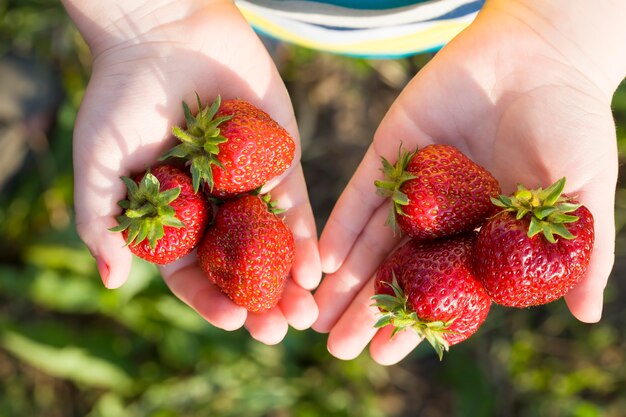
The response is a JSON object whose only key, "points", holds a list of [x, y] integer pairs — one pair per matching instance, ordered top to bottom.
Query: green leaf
{"points": [[214, 108], [189, 118], [219, 120], [183, 136], [179, 151], [388, 168], [196, 176], [151, 184], [131, 185], [385, 188], [553, 192], [167, 196], [400, 198], [501, 201], [125, 204], [567, 207], [147, 209], [166, 211], [543, 211], [521, 213], [563, 218], [123, 221], [172, 221], [392, 221], [535, 227], [144, 230], [560, 230], [133, 231], [547, 232], [155, 233], [59, 257], [397, 290], [63, 292], [386, 302], [384, 320], [436, 325], [396, 330], [434, 342], [70, 362]]}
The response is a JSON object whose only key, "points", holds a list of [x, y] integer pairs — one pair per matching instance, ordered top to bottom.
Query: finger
{"points": [[291, 195], [187, 282], [337, 290], [585, 301], [298, 306], [269, 327], [355, 328], [388, 350]]}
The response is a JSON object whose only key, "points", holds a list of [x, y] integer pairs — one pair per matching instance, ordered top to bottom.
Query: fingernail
{"points": [[103, 269]]}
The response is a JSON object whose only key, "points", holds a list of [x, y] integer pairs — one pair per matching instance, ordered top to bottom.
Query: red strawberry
{"points": [[234, 147], [437, 191], [163, 219], [536, 249], [248, 253], [429, 286]]}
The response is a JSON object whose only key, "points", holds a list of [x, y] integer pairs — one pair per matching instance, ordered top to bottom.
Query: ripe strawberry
{"points": [[233, 147], [437, 191], [163, 219], [536, 249], [248, 253], [429, 286]]}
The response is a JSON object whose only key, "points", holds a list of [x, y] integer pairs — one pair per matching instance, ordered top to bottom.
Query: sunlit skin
{"points": [[147, 58], [525, 91], [521, 94]]}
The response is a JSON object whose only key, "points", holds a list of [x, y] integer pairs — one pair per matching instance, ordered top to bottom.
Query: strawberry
{"points": [[233, 147], [437, 191], [163, 219], [536, 249], [248, 253], [429, 286]]}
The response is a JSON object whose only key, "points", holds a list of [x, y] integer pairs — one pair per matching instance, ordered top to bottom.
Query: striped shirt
{"points": [[362, 28]]}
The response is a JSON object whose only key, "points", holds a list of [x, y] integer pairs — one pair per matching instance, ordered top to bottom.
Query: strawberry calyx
{"points": [[200, 141], [395, 176], [267, 199], [272, 204], [548, 209], [147, 210], [394, 310]]}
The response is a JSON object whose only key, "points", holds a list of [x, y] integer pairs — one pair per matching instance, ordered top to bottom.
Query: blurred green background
{"points": [[70, 348]]}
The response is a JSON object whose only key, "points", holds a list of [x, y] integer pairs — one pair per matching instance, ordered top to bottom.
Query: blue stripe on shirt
{"points": [[370, 4]]}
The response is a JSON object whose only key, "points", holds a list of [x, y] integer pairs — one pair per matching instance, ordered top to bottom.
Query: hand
{"points": [[146, 61], [525, 110]]}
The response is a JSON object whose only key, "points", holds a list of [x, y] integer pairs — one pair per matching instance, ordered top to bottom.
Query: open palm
{"points": [[141, 75], [514, 105]]}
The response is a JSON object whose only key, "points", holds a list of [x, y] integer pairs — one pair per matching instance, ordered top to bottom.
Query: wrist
{"points": [[105, 25], [586, 34]]}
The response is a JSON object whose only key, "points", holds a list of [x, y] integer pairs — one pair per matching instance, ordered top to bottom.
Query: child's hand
{"points": [[146, 61], [507, 95]]}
